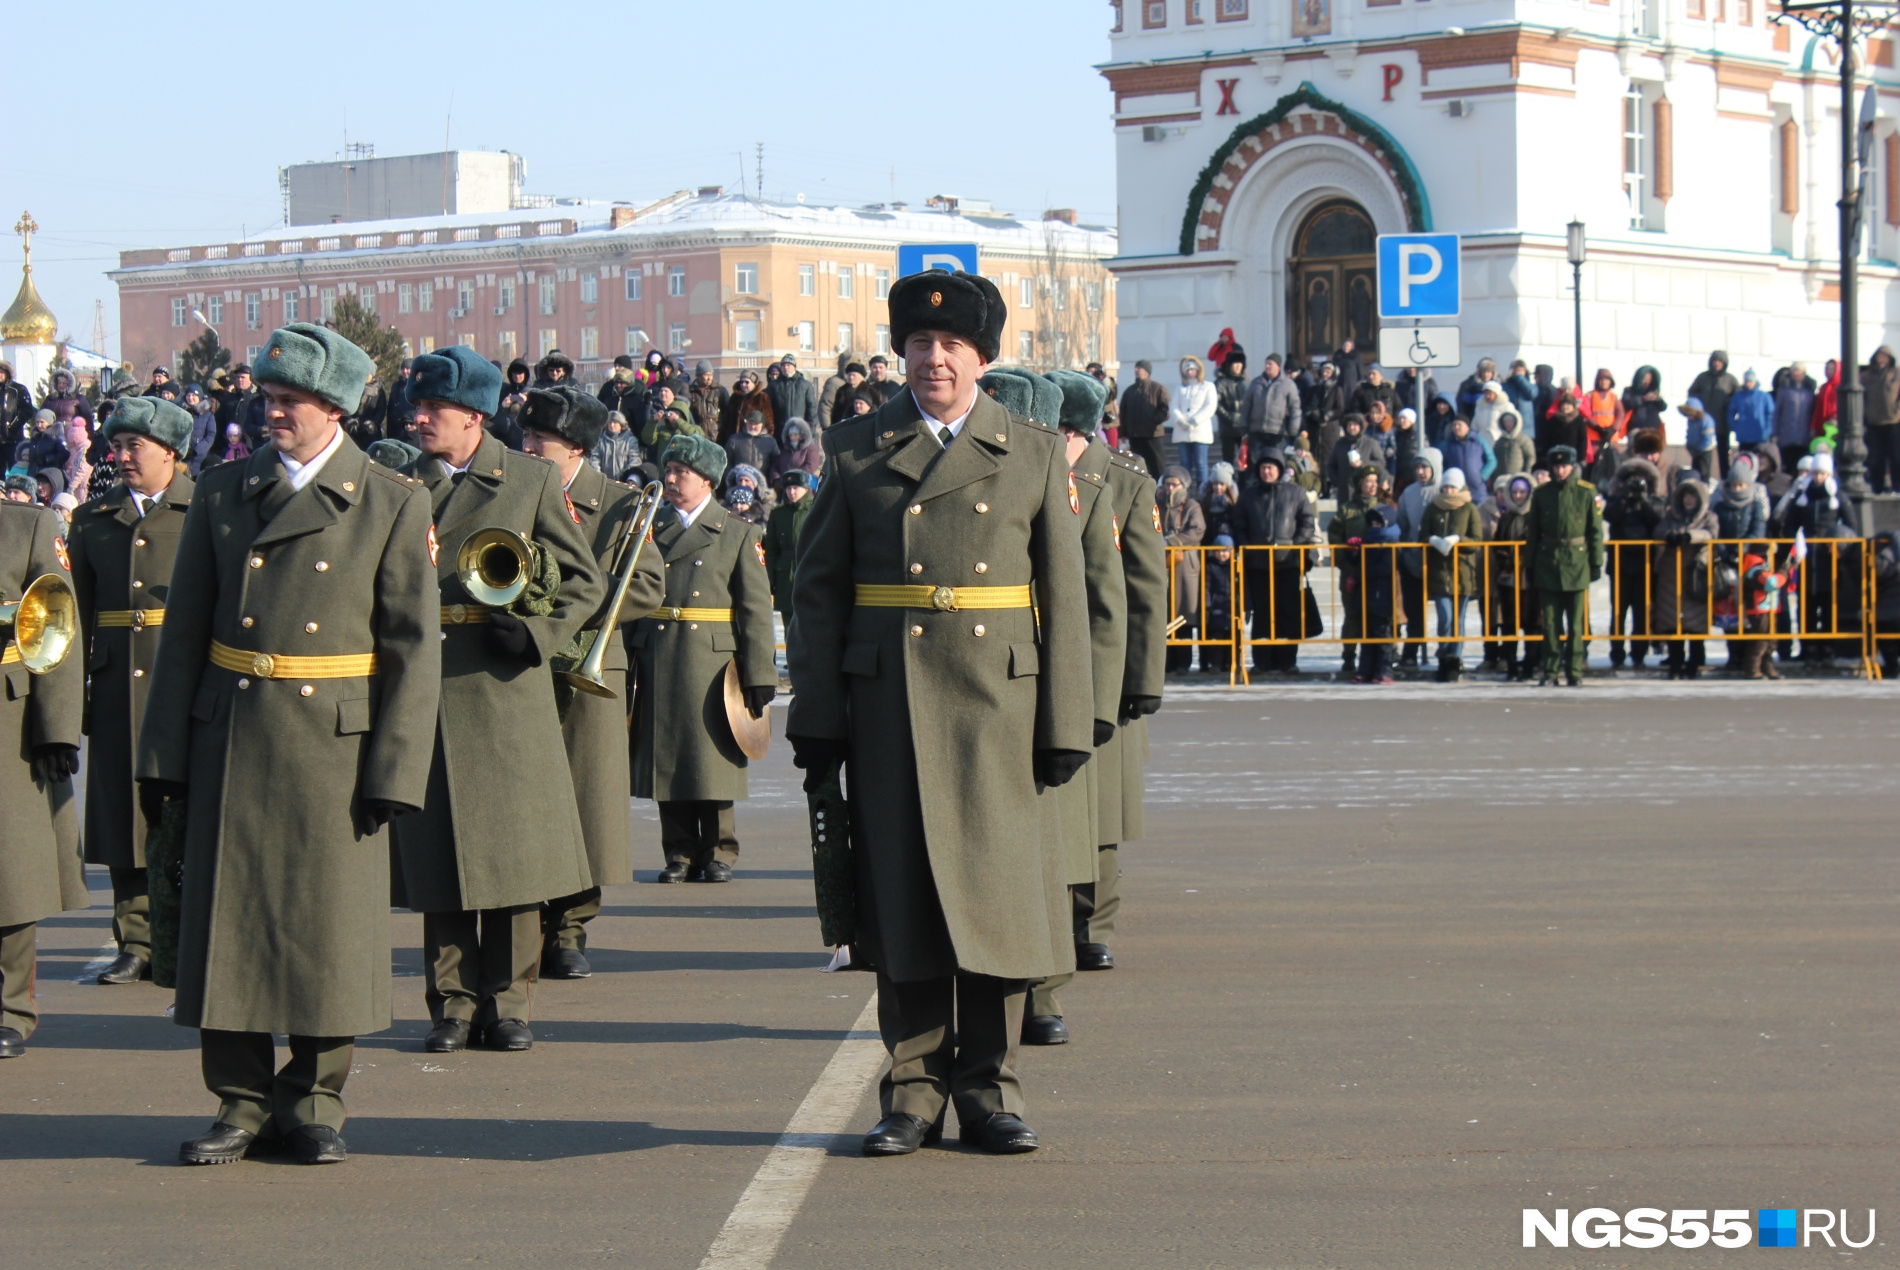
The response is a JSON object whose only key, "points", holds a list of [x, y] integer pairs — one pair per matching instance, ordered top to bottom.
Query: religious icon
{"points": [[1312, 17], [1359, 308], [1319, 314]]}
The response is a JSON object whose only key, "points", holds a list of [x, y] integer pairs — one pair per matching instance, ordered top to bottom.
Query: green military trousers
{"points": [[1565, 635], [699, 831], [131, 912], [564, 921], [19, 953], [482, 965], [951, 1040], [306, 1090]]}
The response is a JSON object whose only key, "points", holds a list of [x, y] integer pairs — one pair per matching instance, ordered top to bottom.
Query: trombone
{"points": [[494, 566], [44, 623], [590, 676]]}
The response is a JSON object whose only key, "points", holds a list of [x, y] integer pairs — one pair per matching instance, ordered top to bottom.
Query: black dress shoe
{"points": [[717, 871], [674, 872], [697, 873], [1094, 957], [564, 963], [127, 967], [1045, 1029], [508, 1034], [447, 1037], [12, 1044], [901, 1133], [1000, 1134], [221, 1144], [316, 1144]]}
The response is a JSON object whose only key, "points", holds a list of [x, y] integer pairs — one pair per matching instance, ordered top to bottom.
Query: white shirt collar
{"points": [[955, 425], [301, 474], [688, 517]]}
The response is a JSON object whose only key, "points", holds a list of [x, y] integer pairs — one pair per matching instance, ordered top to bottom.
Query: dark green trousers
{"points": [[1565, 636], [699, 831], [1096, 906], [131, 911], [564, 921], [19, 954], [482, 964], [917, 1021], [306, 1090]]}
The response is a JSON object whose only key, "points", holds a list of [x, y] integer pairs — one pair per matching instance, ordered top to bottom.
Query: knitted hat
{"points": [[963, 304], [316, 360], [458, 375], [1083, 397], [153, 417], [576, 417], [697, 453], [1455, 479]]}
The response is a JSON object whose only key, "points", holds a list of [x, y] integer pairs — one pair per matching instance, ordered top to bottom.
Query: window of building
{"points": [[1696, 8], [1227, 11], [1191, 12], [1154, 13], [1633, 153], [470, 234], [329, 244], [290, 247], [217, 253], [745, 278], [881, 279], [676, 280], [807, 280], [546, 283], [845, 284], [633, 285], [590, 288], [1026, 292], [1059, 293], [505, 294], [366, 296], [465, 296], [1092, 296], [425, 297], [405, 298], [327, 299], [290, 309], [214, 310], [178, 311], [253, 311], [746, 334], [845, 335], [634, 336], [676, 336], [807, 336], [546, 339], [883, 339], [467, 341], [590, 343], [428, 344], [505, 346], [1026, 346], [1095, 346], [252, 352]]}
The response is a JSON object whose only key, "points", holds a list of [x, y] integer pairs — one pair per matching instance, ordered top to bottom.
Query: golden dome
{"points": [[28, 320]]}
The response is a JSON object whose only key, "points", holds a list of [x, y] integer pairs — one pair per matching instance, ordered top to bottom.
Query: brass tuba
{"points": [[494, 566], [44, 623], [590, 676]]}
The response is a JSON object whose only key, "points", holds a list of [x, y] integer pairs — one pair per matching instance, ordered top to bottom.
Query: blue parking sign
{"points": [[917, 257], [1418, 275]]}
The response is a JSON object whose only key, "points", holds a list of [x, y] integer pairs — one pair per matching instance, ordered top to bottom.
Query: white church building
{"points": [[1262, 144]]}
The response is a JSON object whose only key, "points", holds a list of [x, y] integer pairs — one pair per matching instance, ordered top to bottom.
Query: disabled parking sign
{"points": [[1418, 276]]}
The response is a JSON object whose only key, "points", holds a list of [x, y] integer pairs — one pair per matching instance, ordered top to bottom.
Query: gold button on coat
{"points": [[982, 507], [916, 509], [138, 542], [257, 562], [323, 566], [981, 567], [916, 568], [136, 584], [247, 622], [310, 628], [916, 630], [978, 630], [138, 674], [244, 683], [305, 691]]}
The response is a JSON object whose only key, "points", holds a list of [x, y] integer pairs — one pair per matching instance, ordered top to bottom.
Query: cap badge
{"points": [[936, 299], [276, 353]]}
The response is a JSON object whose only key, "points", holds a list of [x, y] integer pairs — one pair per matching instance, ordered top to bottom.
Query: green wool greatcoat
{"points": [[1565, 539], [121, 562], [944, 710], [595, 728], [683, 749], [1123, 761], [500, 826], [40, 869], [284, 919]]}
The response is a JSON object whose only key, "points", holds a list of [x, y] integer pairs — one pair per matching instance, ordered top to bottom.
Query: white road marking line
{"points": [[108, 953], [750, 1238]]}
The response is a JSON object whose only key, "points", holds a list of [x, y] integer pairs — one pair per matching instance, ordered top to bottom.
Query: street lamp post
{"points": [[1574, 250]]}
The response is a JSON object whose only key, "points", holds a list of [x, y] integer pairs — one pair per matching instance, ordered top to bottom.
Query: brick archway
{"points": [[1302, 113]]}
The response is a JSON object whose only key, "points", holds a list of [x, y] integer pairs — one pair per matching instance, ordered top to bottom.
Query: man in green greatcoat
{"points": [[561, 424], [782, 528], [1565, 543], [123, 545], [717, 609], [921, 668], [298, 673], [500, 831], [40, 870]]}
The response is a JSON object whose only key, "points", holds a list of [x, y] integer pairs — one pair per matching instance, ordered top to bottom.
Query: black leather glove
{"points": [[508, 635], [757, 698], [1139, 707], [1104, 732], [819, 756], [55, 763], [1058, 767], [153, 795], [377, 812]]}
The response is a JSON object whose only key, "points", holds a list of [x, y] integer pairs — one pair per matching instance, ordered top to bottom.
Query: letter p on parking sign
{"points": [[1418, 275]]}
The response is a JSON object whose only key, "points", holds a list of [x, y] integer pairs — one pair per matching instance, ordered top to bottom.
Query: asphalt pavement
{"points": [[1395, 965]]}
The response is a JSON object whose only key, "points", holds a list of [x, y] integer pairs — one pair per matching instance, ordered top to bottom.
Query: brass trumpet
{"points": [[494, 566], [44, 623], [590, 676]]}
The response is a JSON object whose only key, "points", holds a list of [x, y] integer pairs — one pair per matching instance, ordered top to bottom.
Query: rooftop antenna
{"points": [[447, 120], [758, 177], [99, 327]]}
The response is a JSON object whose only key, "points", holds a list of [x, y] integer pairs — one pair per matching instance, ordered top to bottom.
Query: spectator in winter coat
{"points": [[556, 368], [881, 382], [1230, 388], [1374, 388], [1713, 388], [1415, 389], [1521, 389], [624, 390], [615, 394], [748, 395], [793, 396], [706, 399], [1467, 399], [1492, 402], [66, 403], [1643, 404], [1322, 406], [1794, 406], [1880, 406], [16, 407], [1144, 409], [829, 411], [1271, 412], [1826, 412], [1751, 415], [1604, 416], [1191, 420], [1438, 422], [666, 425], [1565, 425], [204, 434], [1699, 438], [751, 445], [1402, 446], [46, 447], [1465, 451], [1515, 452], [797, 453], [1353, 453], [617, 454], [78, 466], [743, 476], [52, 483], [1218, 499], [1412, 504], [1817, 511], [1275, 512], [1632, 512], [1741, 513], [1182, 525], [1451, 530], [1347, 533], [780, 540], [1886, 547], [1679, 577], [1217, 606], [1513, 607]]}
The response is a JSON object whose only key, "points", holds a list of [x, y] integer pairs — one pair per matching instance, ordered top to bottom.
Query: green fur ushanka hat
{"points": [[964, 304], [316, 360], [458, 375], [1025, 393], [1083, 397], [153, 417], [576, 417], [701, 454]]}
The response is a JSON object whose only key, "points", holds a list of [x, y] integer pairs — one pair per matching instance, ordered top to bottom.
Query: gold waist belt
{"points": [[944, 599], [463, 614], [692, 615], [137, 619], [11, 657], [285, 666]]}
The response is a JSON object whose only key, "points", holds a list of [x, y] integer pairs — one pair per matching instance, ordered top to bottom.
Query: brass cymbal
{"points": [[754, 736]]}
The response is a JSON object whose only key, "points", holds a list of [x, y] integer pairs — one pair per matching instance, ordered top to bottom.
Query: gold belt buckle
{"points": [[944, 599], [675, 612], [458, 613], [138, 619], [262, 665]]}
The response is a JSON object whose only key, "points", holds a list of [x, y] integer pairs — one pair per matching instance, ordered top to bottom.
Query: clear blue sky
{"points": [[164, 124]]}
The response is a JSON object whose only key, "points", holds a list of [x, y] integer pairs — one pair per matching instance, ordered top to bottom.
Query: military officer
{"points": [[561, 424], [1565, 544], [122, 549], [717, 609], [921, 667], [297, 672], [500, 832], [40, 869]]}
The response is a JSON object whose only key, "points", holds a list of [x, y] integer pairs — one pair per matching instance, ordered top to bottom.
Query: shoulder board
{"points": [[1027, 422], [390, 474]]}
